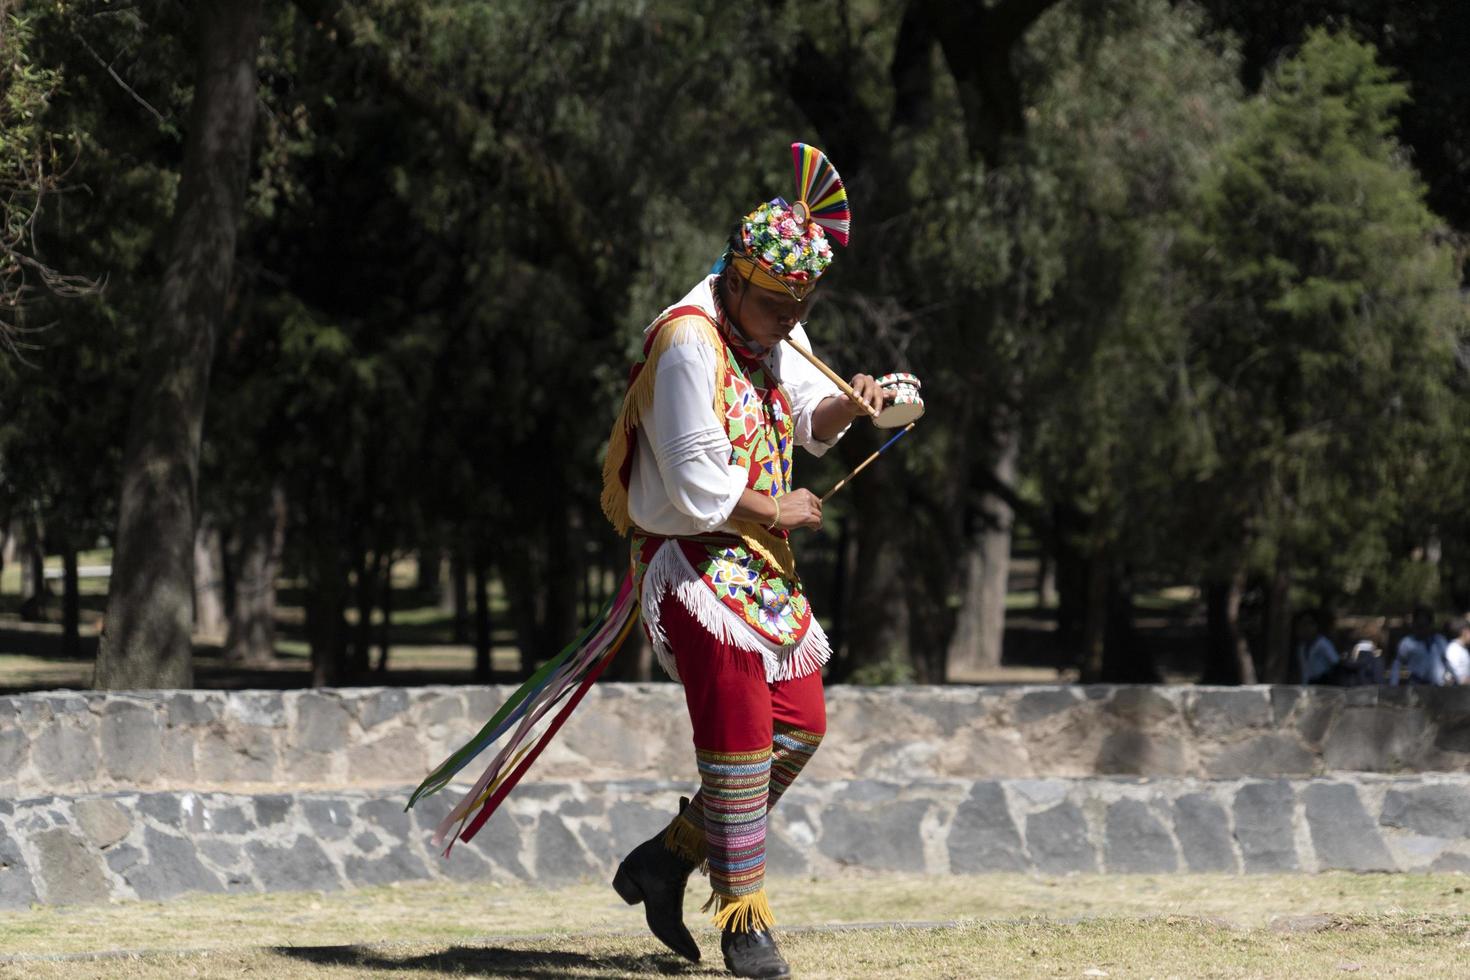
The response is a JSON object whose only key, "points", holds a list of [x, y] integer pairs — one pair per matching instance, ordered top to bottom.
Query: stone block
{"points": [[1284, 699], [1036, 705], [380, 706], [1143, 707], [190, 708], [254, 709], [446, 709], [1317, 710], [1224, 713], [322, 723], [131, 736], [1375, 740], [14, 751], [1138, 753], [65, 754], [238, 754], [1264, 755], [176, 756], [396, 757], [300, 765], [163, 807], [272, 808], [1436, 810], [387, 815], [230, 819], [328, 819], [103, 821], [631, 823], [1264, 826], [1203, 830], [982, 835], [1343, 835], [883, 837], [501, 840], [1058, 840], [1136, 840], [367, 842], [221, 853], [123, 857], [783, 857], [560, 858], [1451, 862], [399, 864], [462, 864], [302, 866], [173, 868], [68, 872], [16, 889]]}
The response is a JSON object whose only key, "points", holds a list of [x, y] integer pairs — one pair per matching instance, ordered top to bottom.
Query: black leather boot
{"points": [[656, 876], [753, 953]]}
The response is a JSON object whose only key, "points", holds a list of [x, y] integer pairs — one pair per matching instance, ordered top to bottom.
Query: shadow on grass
{"points": [[495, 961]]}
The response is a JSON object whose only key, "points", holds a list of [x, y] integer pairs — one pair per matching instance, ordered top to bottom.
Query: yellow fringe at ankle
{"points": [[685, 840], [748, 913]]}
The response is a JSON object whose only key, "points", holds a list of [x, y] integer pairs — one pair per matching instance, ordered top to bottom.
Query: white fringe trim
{"points": [[670, 571]]}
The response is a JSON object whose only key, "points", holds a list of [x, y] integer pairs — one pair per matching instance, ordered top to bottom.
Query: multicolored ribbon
{"points": [[573, 671]]}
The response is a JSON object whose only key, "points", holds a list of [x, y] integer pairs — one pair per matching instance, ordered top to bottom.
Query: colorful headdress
{"points": [[787, 247]]}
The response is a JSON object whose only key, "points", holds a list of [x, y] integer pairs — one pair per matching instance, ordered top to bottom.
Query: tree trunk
{"points": [[429, 578], [1046, 580], [209, 581], [33, 590], [326, 601], [71, 603], [385, 605], [460, 607], [1095, 620], [877, 622], [980, 624], [252, 630], [484, 640], [146, 643], [1228, 656], [1125, 659], [1277, 660]]}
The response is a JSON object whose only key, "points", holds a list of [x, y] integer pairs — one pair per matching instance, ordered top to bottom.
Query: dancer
{"points": [[699, 472]]}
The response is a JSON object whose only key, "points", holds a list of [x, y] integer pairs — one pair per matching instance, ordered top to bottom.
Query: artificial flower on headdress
{"points": [[788, 246]]}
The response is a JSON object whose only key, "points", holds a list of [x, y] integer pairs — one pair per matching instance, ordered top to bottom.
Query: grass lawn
{"points": [[856, 925]]}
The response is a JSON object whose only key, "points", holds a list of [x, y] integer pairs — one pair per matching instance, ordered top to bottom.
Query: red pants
{"points": [[751, 739]]}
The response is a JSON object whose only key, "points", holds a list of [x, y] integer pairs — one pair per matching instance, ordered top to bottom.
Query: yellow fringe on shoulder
{"points": [[638, 400], [686, 840], [748, 913]]}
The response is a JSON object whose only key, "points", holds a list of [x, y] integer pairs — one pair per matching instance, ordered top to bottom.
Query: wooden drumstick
{"points": [[832, 376], [861, 466]]}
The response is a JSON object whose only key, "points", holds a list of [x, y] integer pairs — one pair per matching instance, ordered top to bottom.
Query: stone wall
{"points": [[70, 743], [152, 795], [160, 845]]}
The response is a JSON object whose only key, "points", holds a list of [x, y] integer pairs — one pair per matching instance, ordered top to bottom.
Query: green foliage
{"points": [[1222, 327], [1324, 345]]}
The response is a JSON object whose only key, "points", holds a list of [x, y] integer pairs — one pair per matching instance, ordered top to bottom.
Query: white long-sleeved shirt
{"points": [[683, 482]]}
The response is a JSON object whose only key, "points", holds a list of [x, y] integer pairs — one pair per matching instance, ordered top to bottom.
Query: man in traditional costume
{"points": [[699, 472]]}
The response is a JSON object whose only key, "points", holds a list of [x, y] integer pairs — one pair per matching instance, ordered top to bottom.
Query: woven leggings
{"points": [[751, 739]]}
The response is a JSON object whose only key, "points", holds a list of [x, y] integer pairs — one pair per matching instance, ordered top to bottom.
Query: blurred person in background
{"points": [[1420, 658], [1317, 659]]}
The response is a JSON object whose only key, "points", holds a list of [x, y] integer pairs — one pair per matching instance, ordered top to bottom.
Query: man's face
{"points": [[766, 317]]}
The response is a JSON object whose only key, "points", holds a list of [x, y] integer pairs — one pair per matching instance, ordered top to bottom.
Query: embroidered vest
{"points": [[752, 575]]}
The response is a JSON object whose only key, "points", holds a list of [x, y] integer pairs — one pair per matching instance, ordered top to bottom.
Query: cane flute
{"points": [[833, 377], [863, 465]]}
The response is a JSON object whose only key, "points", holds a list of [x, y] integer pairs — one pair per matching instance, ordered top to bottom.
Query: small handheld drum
{"points": [[906, 406]]}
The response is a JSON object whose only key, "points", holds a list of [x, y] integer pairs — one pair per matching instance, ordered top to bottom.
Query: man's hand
{"points": [[868, 390], [801, 508]]}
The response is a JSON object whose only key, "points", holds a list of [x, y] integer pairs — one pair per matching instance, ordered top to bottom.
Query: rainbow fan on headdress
{"points": [[819, 191]]}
